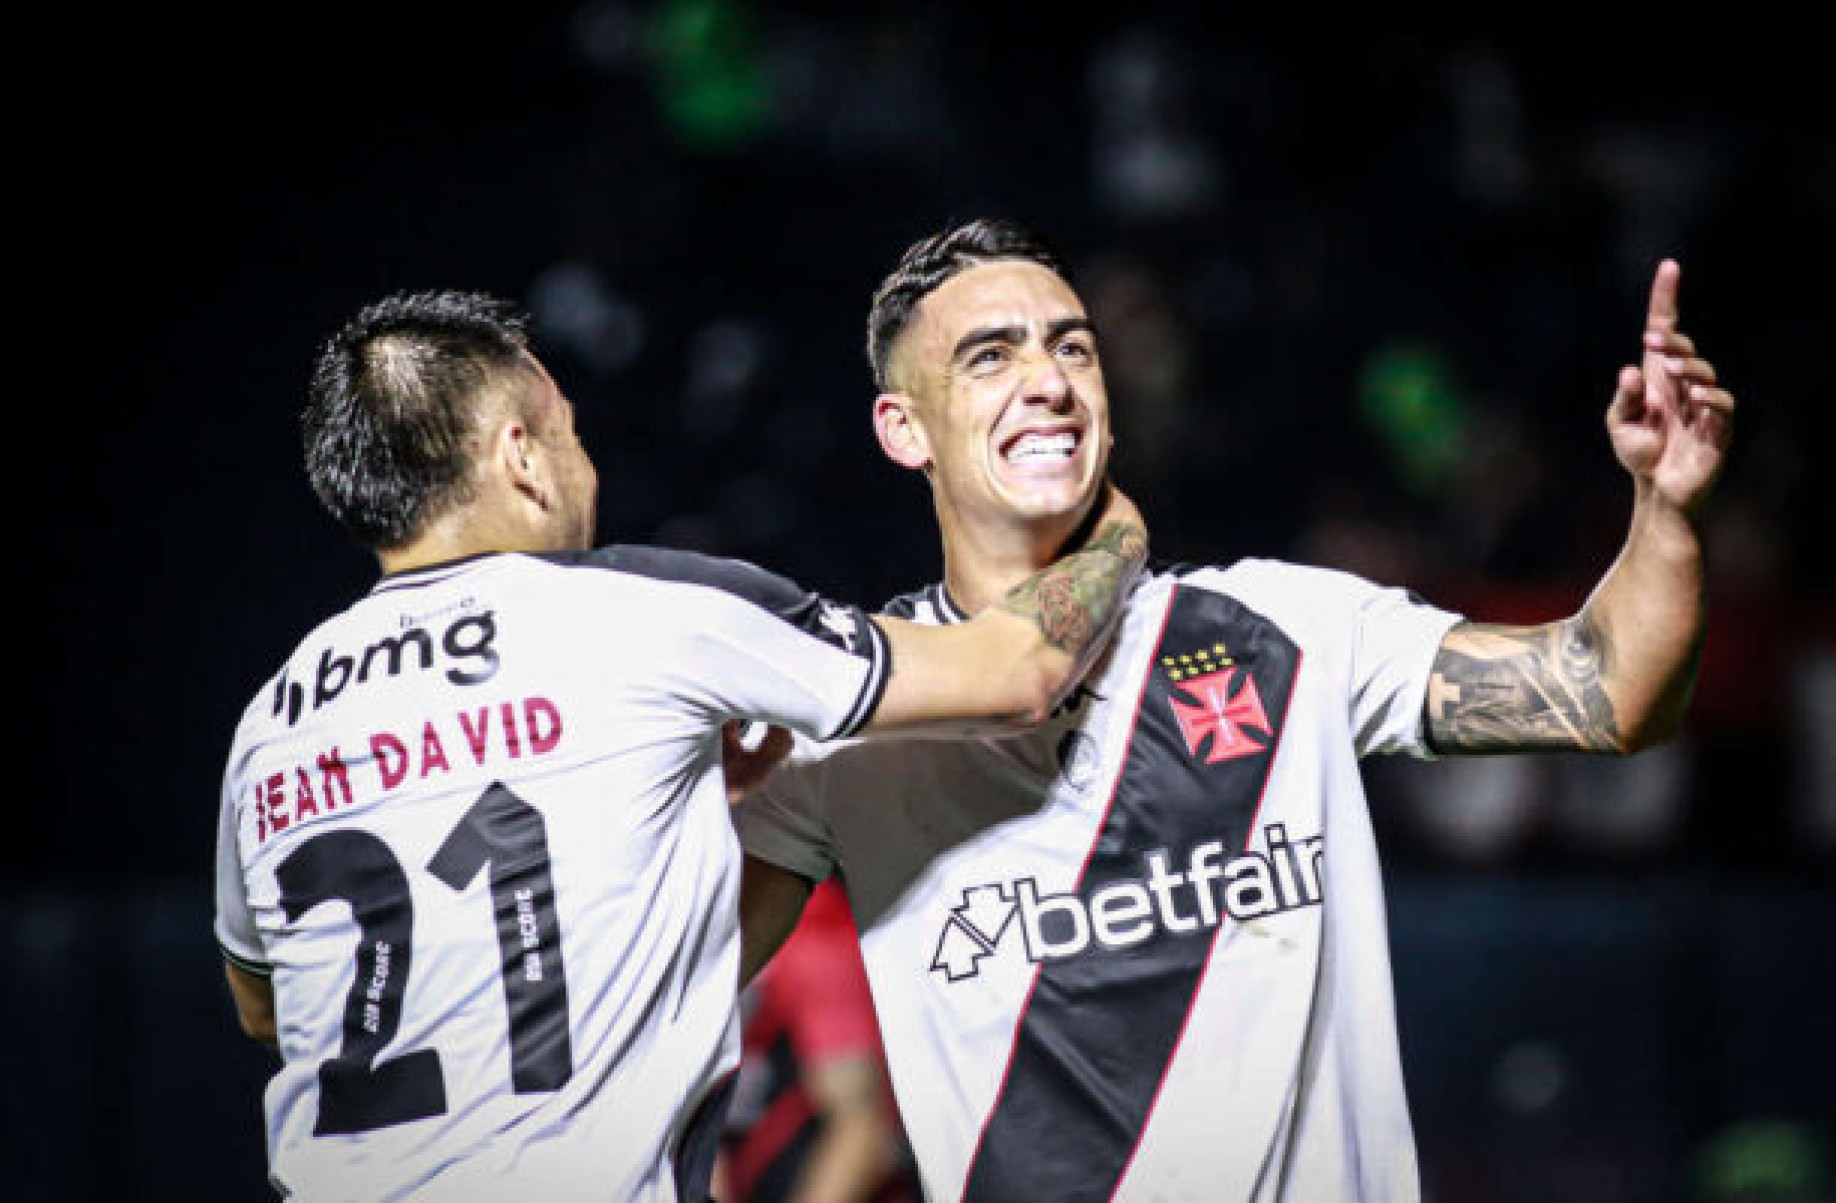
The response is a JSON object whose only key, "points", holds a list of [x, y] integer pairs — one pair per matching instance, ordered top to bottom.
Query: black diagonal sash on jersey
{"points": [[1100, 1028]]}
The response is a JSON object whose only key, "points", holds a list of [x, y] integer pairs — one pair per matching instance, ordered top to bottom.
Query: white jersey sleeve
{"points": [[1394, 638], [761, 650], [235, 928]]}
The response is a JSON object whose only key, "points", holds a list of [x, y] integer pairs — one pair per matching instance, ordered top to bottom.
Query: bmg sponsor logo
{"points": [[465, 649], [1203, 890]]}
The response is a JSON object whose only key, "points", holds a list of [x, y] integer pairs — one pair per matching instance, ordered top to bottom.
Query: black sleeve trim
{"points": [[874, 688], [253, 968]]}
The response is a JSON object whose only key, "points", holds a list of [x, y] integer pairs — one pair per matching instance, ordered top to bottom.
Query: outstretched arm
{"points": [[1005, 669], [1617, 676]]}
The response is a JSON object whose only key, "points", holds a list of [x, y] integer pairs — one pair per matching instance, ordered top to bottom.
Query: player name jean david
{"points": [[337, 777]]}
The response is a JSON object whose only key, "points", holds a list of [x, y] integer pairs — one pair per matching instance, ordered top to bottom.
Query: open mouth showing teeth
{"points": [[1033, 447]]}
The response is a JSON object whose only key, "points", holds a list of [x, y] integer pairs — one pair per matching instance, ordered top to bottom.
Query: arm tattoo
{"points": [[1075, 599], [1512, 689]]}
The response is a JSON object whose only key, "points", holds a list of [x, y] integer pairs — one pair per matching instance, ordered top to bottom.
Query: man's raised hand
{"points": [[1670, 420]]}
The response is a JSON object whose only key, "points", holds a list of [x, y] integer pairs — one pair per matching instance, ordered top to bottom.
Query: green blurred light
{"points": [[715, 93], [1407, 395], [1763, 1160]]}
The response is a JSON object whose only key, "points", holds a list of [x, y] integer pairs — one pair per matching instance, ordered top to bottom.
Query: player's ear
{"points": [[902, 436], [515, 458]]}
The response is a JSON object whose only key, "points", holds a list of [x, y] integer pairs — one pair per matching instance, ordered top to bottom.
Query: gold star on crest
{"points": [[1197, 664]]}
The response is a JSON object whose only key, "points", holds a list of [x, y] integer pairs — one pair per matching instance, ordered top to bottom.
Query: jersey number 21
{"points": [[357, 1093]]}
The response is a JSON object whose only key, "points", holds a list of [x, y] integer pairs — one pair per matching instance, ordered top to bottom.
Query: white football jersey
{"points": [[476, 829], [1141, 953]]}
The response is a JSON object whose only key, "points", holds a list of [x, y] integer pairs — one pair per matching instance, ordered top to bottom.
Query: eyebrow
{"points": [[980, 336]]}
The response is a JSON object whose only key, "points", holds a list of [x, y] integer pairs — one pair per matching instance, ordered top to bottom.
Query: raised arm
{"points": [[1006, 669], [1617, 676]]}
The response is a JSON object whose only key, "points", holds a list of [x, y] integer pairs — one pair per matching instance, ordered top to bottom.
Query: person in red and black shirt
{"points": [[813, 1118]]}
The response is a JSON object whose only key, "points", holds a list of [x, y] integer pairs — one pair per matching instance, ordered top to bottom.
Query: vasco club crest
{"points": [[1218, 707]]}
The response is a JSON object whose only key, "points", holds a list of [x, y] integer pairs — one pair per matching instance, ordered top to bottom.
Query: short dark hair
{"points": [[930, 261], [394, 404]]}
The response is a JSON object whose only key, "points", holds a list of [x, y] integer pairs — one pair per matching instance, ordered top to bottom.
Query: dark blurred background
{"points": [[1362, 295]]}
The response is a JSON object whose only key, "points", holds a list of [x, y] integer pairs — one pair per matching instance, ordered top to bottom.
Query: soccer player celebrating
{"points": [[1140, 953]]}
